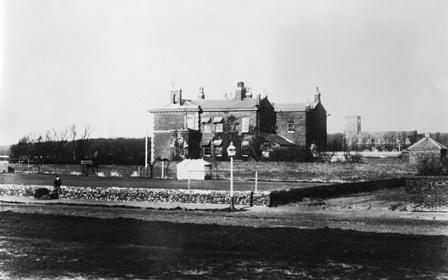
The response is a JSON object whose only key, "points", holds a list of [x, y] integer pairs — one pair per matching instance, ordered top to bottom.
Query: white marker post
{"points": [[231, 151]]}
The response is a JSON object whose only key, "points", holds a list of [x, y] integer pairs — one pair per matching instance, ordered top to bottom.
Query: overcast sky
{"points": [[102, 63]]}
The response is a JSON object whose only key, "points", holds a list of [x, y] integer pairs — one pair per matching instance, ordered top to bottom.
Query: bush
{"points": [[431, 165]]}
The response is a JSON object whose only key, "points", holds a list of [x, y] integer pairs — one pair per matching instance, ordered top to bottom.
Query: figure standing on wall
{"points": [[57, 185]]}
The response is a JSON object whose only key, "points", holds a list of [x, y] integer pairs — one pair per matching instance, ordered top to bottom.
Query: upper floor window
{"points": [[190, 122], [245, 125], [207, 127], [219, 127], [291, 127]]}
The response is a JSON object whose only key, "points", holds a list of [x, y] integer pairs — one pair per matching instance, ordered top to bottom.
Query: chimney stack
{"points": [[240, 92], [317, 96], [176, 97]]}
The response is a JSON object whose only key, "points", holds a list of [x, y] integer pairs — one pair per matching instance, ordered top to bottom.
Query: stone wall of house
{"points": [[267, 116], [299, 119], [169, 121], [232, 121], [232, 125], [317, 128], [414, 156]]}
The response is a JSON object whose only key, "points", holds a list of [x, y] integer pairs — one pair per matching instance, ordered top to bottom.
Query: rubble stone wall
{"points": [[141, 194]]}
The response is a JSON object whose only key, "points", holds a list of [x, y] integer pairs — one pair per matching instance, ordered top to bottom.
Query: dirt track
{"points": [[52, 245]]}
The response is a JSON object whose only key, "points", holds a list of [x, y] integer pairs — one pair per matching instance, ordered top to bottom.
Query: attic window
{"points": [[290, 127]]}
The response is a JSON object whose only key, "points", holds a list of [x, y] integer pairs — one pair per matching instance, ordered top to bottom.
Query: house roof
{"points": [[223, 105], [291, 107], [277, 139], [427, 144]]}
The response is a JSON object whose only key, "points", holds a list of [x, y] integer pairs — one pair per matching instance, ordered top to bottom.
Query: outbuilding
{"points": [[426, 147], [196, 169]]}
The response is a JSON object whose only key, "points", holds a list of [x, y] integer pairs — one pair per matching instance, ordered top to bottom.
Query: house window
{"points": [[190, 121], [245, 125], [207, 127], [219, 127], [291, 127], [205, 143], [206, 150], [218, 151]]}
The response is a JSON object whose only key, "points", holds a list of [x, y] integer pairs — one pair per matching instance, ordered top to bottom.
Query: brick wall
{"points": [[299, 119], [169, 121]]}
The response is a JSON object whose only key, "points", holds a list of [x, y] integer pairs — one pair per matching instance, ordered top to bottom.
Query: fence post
{"points": [[189, 180], [256, 180]]}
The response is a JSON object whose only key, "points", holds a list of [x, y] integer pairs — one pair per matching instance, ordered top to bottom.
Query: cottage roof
{"points": [[224, 105], [277, 139], [427, 144]]}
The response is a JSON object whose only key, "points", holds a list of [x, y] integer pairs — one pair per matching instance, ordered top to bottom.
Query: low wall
{"points": [[307, 171], [427, 181], [141, 194], [293, 195]]}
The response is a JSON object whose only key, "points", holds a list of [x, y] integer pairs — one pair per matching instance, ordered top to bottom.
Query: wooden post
{"points": [[189, 180], [256, 180]]}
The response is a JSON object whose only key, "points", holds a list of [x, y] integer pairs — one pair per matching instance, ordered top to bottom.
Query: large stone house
{"points": [[203, 128]]}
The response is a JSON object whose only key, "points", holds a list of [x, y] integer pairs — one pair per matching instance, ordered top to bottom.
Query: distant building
{"points": [[203, 128], [352, 130], [426, 147], [4, 163]]}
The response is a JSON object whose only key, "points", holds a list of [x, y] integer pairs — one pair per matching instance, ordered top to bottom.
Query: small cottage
{"points": [[426, 147]]}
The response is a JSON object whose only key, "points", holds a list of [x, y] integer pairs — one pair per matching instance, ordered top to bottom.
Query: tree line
{"points": [[70, 146]]}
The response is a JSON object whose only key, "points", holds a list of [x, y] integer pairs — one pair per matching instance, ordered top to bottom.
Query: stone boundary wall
{"points": [[308, 171], [141, 194], [294, 195], [273, 198]]}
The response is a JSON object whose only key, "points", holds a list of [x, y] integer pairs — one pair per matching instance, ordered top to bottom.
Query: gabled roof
{"points": [[223, 105], [277, 139], [427, 144]]}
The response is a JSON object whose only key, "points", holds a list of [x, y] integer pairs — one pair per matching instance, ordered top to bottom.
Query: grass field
{"points": [[40, 179]]}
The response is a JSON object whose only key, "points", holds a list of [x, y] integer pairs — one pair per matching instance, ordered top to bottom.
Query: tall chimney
{"points": [[317, 96], [179, 97]]}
